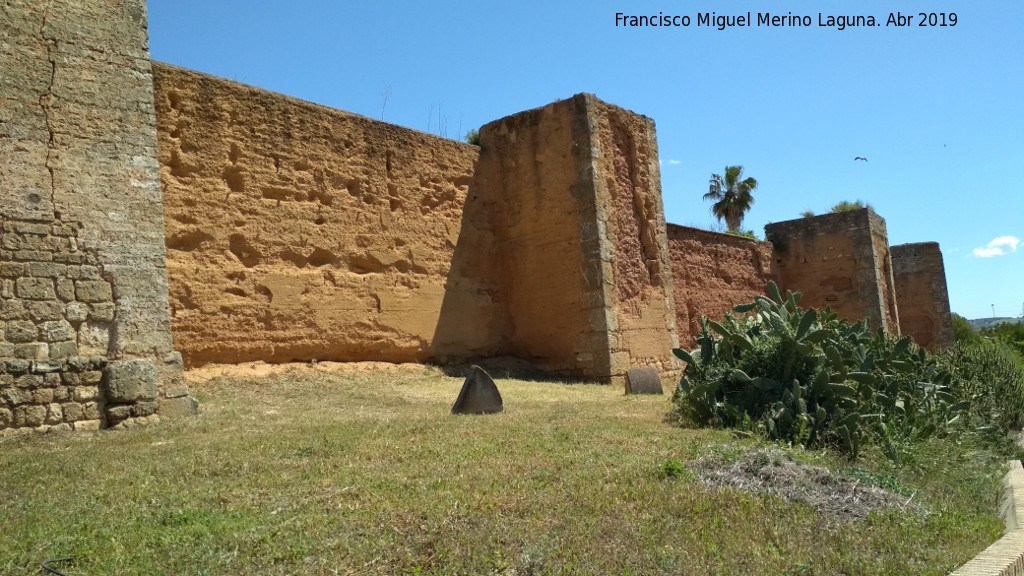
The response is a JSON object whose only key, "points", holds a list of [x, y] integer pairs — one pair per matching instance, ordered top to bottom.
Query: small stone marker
{"points": [[643, 381], [479, 394]]}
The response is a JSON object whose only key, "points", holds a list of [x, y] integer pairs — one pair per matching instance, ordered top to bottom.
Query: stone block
{"points": [[31, 228], [63, 230], [33, 255], [12, 269], [45, 270], [84, 272], [7, 289], [35, 289], [65, 290], [93, 291], [14, 310], [42, 310], [76, 312], [102, 313], [57, 331], [20, 332], [93, 338], [63, 349], [34, 351], [619, 362], [78, 363], [17, 366], [46, 366], [92, 377], [71, 379], [51, 380], [29, 381], [130, 381], [643, 381], [176, 392], [61, 393], [84, 394], [479, 394], [15, 396], [42, 396], [178, 407], [141, 409], [72, 411], [91, 411], [54, 414], [118, 414], [29, 416], [6, 418], [87, 425], [62, 427]]}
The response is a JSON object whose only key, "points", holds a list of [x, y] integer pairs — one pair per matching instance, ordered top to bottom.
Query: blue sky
{"points": [[937, 111]]}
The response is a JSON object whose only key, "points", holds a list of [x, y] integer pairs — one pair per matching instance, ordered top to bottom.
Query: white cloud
{"points": [[674, 162], [999, 247]]}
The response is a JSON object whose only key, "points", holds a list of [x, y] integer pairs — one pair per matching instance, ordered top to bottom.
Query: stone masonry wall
{"points": [[299, 232], [839, 260], [712, 273], [920, 279], [83, 288], [640, 303]]}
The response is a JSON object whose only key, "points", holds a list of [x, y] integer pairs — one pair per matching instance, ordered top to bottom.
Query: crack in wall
{"points": [[45, 101]]}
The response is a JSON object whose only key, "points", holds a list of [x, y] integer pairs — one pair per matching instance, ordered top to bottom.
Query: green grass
{"points": [[317, 472]]}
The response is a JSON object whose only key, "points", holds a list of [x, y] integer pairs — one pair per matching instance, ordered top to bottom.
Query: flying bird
{"points": [[860, 158]]}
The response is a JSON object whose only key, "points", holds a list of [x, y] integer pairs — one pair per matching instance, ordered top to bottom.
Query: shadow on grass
{"points": [[509, 368]]}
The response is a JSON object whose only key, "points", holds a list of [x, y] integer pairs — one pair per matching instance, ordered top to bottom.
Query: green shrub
{"points": [[473, 137], [847, 206], [742, 233], [963, 331], [1012, 334], [986, 373], [809, 378]]}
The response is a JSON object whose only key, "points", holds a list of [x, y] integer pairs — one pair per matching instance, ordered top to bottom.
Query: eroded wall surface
{"points": [[533, 174], [299, 232], [581, 239], [839, 260], [712, 273], [920, 280], [640, 303], [86, 338]]}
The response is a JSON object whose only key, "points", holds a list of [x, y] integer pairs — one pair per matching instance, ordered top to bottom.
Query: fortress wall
{"points": [[535, 170], [300, 232], [839, 260], [712, 273], [920, 280], [639, 296], [85, 339]]}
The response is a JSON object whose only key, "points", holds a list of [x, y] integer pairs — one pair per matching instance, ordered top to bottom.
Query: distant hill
{"points": [[980, 323]]}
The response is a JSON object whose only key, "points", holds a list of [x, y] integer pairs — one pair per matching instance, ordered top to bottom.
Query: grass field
{"points": [[347, 471]]}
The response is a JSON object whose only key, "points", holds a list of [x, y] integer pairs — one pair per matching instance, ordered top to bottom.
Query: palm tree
{"points": [[731, 195]]}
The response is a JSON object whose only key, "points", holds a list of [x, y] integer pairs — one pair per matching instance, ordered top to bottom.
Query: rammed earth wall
{"points": [[141, 200], [298, 232], [839, 260], [713, 272], [920, 280]]}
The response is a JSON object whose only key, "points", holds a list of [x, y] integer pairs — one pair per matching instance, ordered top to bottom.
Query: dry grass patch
{"points": [[334, 469]]}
